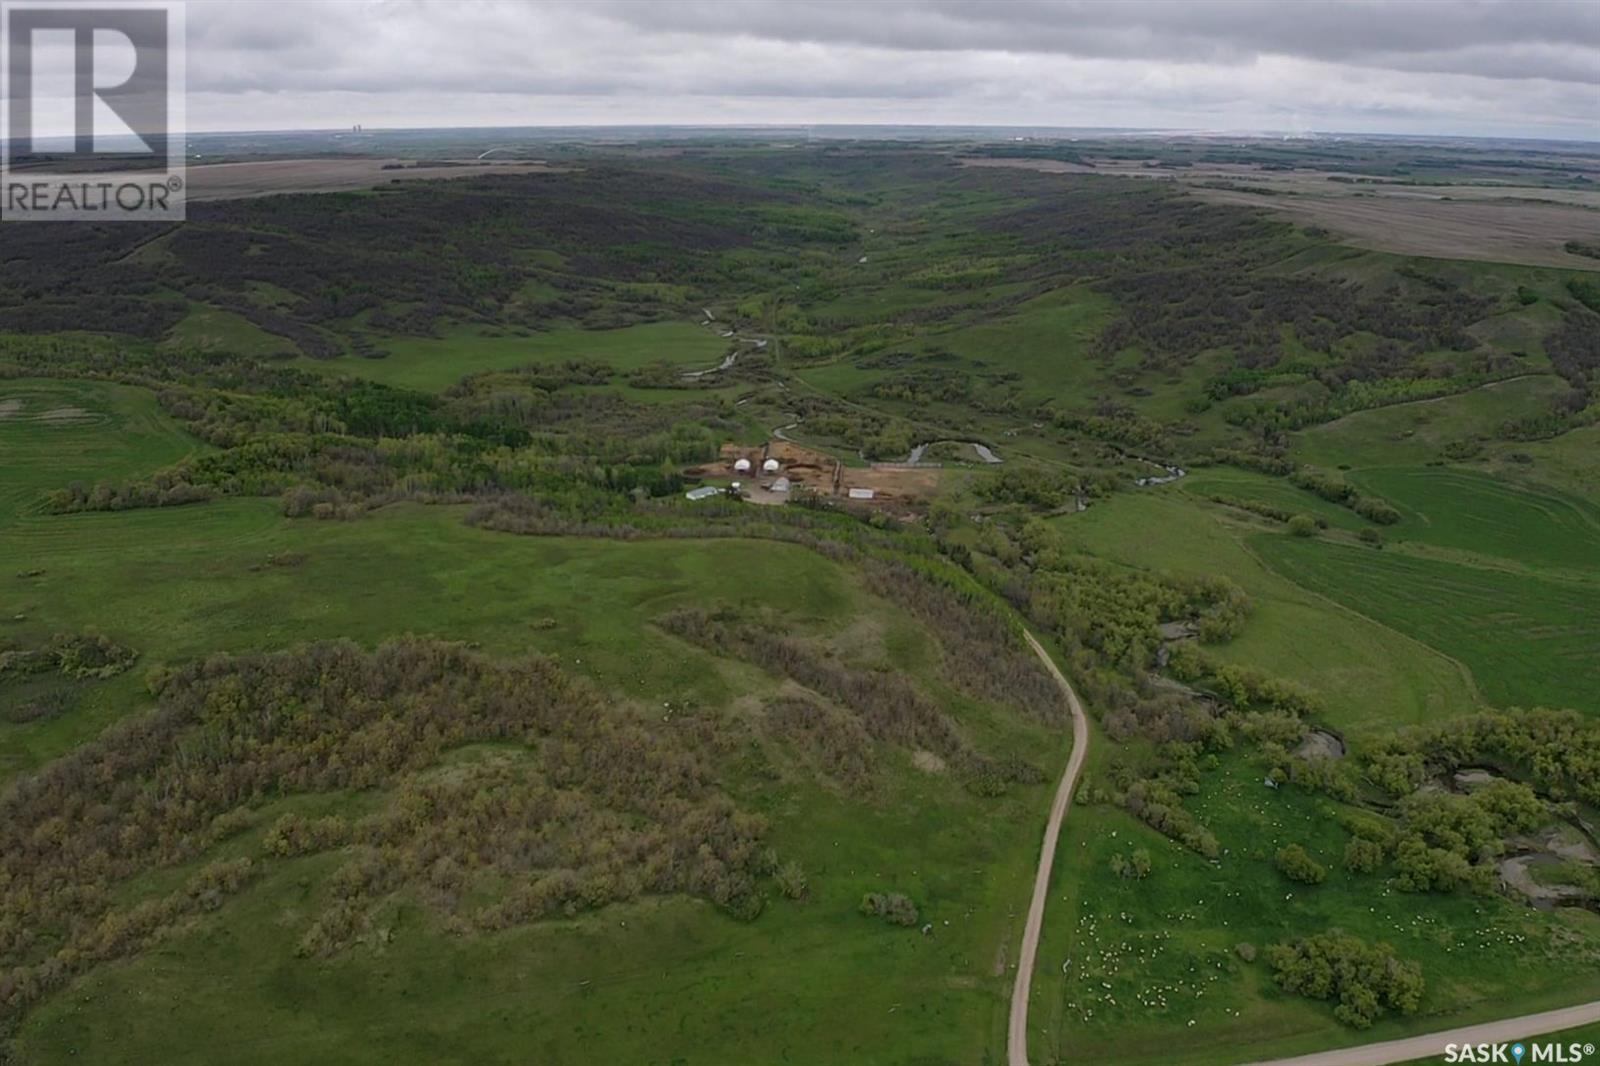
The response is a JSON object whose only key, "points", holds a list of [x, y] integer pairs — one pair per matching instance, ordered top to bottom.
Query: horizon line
{"points": [[1166, 131]]}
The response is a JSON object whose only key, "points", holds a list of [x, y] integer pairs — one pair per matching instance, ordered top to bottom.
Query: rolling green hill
{"points": [[370, 691]]}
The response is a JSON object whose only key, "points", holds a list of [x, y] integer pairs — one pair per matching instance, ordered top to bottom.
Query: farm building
{"points": [[778, 471], [704, 492]]}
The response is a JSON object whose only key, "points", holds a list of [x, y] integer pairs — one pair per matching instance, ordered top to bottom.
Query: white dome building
{"points": [[741, 466], [770, 466]]}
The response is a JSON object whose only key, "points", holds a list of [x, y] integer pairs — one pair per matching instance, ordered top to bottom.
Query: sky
{"points": [[1528, 68]]}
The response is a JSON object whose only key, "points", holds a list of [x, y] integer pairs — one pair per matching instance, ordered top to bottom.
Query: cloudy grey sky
{"points": [[1485, 67]]}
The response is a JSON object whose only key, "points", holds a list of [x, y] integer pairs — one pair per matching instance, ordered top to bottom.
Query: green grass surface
{"points": [[213, 330], [1046, 340], [433, 364], [54, 432], [1417, 433], [1570, 462], [1276, 491], [1472, 512], [224, 585], [1486, 593], [1383, 636], [1528, 640], [1371, 676], [1163, 948], [676, 970], [666, 980], [663, 981]]}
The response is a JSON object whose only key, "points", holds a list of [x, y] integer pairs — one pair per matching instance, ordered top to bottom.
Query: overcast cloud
{"points": [[1518, 68]]}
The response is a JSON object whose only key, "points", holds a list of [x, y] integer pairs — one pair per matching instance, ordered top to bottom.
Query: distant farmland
{"points": [[237, 181], [1497, 222], [1500, 231]]}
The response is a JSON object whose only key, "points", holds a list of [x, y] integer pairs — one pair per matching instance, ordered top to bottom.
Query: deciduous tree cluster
{"points": [[588, 804], [1366, 979]]}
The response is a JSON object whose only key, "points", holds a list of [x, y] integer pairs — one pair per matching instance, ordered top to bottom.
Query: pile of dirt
{"points": [[1320, 744], [1472, 779], [1554, 846]]}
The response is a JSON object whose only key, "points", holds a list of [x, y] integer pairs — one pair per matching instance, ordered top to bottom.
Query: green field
{"points": [[210, 329], [1044, 340], [432, 364], [60, 431], [1417, 433], [181, 485], [1275, 492], [1471, 512], [236, 576], [1497, 576], [1527, 640], [1372, 676], [1149, 970], [673, 974]]}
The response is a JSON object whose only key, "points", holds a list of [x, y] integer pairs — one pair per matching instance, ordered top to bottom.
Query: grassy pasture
{"points": [[881, 292], [213, 330], [1045, 340], [1040, 348], [434, 363], [53, 432], [1416, 433], [1570, 462], [1263, 488], [1471, 512], [235, 575], [1381, 635], [1528, 640], [1371, 677], [1127, 965], [1151, 971], [672, 980], [660, 981]]}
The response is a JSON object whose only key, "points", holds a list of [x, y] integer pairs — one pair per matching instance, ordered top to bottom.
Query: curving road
{"points": [[1506, 1031], [1017, 1034]]}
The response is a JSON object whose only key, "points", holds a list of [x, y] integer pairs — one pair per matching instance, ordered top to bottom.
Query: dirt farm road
{"points": [[1506, 1031], [1017, 1033]]}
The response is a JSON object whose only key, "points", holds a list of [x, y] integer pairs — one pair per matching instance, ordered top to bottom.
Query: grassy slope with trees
{"points": [[1080, 326], [236, 575]]}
